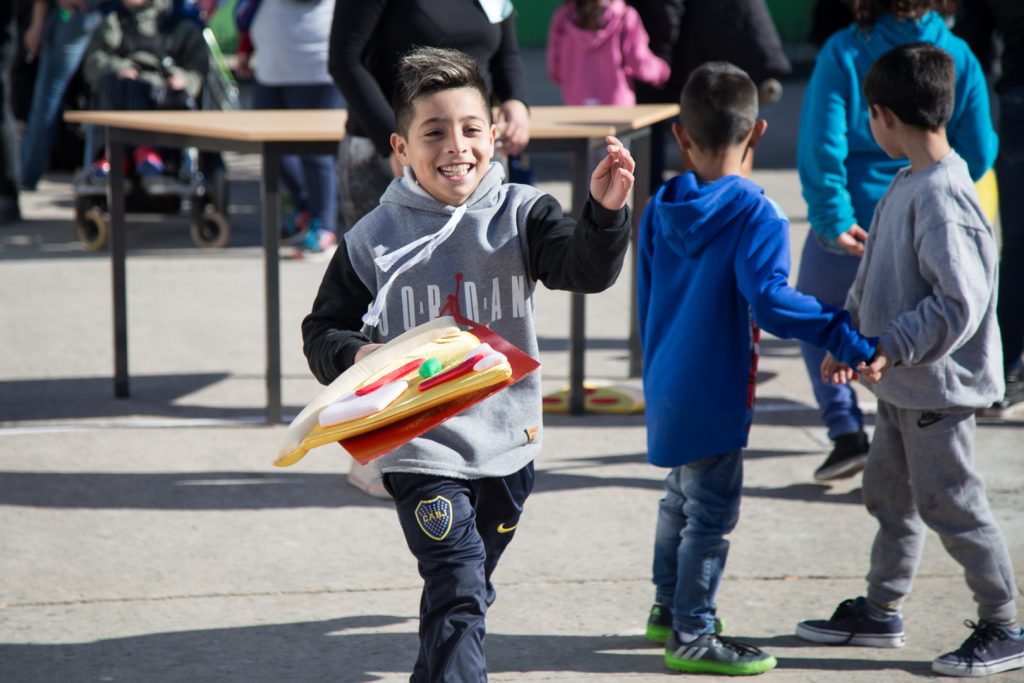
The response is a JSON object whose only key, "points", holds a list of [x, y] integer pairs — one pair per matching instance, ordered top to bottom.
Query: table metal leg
{"points": [[641, 149], [580, 189], [269, 203], [115, 204]]}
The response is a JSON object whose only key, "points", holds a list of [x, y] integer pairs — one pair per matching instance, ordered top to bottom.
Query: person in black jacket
{"points": [[978, 22], [687, 34], [367, 40], [9, 210]]}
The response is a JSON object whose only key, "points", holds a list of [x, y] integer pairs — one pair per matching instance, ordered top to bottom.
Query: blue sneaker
{"points": [[317, 239], [852, 625], [990, 649]]}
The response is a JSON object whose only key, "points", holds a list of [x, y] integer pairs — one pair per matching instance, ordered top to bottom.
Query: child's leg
{"points": [[828, 277], [950, 497], [499, 504], [700, 507], [440, 527], [458, 531], [896, 551]]}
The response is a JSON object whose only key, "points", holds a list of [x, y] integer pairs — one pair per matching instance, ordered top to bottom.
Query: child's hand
{"points": [[613, 178], [853, 240], [873, 370], [835, 371]]}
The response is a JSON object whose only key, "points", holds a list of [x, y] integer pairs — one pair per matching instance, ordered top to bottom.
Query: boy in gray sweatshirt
{"points": [[450, 237], [926, 287]]}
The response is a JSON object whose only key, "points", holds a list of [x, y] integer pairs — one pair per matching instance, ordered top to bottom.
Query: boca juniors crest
{"points": [[435, 517]]}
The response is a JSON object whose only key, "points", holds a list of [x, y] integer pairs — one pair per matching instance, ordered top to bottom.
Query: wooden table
{"points": [[274, 133]]}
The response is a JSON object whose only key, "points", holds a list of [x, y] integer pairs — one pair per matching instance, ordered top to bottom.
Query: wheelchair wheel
{"points": [[91, 226], [210, 229]]}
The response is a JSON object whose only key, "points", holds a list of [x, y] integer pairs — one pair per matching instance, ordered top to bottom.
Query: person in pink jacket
{"points": [[597, 49]]}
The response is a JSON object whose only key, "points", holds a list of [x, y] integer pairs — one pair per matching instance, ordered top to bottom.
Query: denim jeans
{"points": [[64, 43], [1010, 173], [311, 178], [828, 276], [701, 505]]}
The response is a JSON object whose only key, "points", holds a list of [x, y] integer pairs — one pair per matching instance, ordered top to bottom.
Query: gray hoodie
{"points": [[509, 238], [927, 287]]}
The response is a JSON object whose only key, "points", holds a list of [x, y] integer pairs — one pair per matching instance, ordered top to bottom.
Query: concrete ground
{"points": [[150, 540]]}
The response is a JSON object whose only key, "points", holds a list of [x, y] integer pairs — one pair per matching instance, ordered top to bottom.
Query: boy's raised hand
{"points": [[613, 178]]}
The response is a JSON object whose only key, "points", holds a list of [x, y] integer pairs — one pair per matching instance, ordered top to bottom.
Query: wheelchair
{"points": [[192, 181]]}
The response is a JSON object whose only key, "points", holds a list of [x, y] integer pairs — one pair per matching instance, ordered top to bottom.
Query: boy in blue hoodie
{"points": [[713, 269]]}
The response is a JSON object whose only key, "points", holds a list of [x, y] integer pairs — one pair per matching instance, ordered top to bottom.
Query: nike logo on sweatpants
{"points": [[928, 419]]}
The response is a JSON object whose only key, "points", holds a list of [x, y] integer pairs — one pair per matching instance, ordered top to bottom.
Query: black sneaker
{"points": [[846, 459], [659, 624], [852, 625], [988, 650], [715, 654]]}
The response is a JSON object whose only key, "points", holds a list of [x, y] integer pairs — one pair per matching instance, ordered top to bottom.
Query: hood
{"points": [[614, 15], [147, 16], [888, 32], [407, 192], [693, 214]]}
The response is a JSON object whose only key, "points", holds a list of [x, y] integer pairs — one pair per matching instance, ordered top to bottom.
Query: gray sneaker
{"points": [[990, 649], [714, 654]]}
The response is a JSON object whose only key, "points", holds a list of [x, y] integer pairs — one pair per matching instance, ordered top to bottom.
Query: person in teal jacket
{"points": [[844, 173]]}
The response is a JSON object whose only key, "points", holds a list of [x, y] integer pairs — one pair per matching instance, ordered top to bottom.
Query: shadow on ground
{"points": [[335, 650]]}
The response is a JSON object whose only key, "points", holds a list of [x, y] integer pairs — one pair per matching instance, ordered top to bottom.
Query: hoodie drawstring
{"points": [[428, 244]]}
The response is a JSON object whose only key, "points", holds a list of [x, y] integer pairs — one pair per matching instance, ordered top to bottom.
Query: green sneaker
{"points": [[659, 624], [715, 654]]}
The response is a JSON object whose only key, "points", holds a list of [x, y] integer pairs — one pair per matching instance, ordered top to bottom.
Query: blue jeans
{"points": [[64, 43], [1010, 172], [311, 178], [828, 276], [701, 505]]}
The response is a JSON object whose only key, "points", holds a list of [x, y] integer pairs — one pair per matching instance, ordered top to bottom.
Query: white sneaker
{"points": [[367, 479]]}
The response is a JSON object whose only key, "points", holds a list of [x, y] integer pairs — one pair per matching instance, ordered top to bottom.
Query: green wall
{"points": [[792, 19]]}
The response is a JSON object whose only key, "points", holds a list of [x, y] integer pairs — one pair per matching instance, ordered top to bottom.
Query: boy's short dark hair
{"points": [[426, 70], [916, 81], [718, 107]]}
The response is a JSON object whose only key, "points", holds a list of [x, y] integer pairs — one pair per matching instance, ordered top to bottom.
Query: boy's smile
{"points": [[449, 144]]}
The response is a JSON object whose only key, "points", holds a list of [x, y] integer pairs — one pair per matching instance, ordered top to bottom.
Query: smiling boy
{"points": [[450, 235]]}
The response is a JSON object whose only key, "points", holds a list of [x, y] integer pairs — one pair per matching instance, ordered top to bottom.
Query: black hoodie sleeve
{"points": [[584, 256], [331, 332]]}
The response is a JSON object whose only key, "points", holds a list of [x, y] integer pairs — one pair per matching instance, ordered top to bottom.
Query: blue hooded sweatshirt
{"points": [[842, 169], [713, 258]]}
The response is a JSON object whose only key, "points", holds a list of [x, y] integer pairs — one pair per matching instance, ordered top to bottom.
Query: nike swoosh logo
{"points": [[928, 419], [502, 529]]}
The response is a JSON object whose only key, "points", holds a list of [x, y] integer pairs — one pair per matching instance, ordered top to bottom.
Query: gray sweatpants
{"points": [[920, 472]]}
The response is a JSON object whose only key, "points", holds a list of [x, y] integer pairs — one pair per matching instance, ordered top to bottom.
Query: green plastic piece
{"points": [[430, 367]]}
